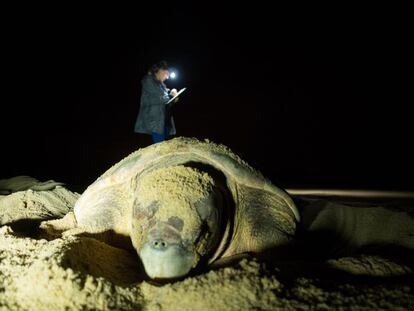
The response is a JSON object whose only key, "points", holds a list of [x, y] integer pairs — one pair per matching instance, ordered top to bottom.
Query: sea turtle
{"points": [[185, 203]]}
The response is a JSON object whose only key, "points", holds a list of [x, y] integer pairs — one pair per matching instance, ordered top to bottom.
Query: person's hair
{"points": [[161, 65]]}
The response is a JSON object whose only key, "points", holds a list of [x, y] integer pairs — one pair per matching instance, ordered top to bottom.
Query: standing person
{"points": [[154, 115]]}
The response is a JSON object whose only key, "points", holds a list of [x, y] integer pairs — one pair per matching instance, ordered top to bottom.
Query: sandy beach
{"points": [[40, 272]]}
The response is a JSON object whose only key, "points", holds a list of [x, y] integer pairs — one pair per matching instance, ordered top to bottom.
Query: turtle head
{"points": [[175, 221], [164, 254]]}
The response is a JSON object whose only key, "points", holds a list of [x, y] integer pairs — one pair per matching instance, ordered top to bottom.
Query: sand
{"points": [[176, 189], [38, 272]]}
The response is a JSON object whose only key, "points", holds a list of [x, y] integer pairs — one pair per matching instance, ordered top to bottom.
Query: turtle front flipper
{"points": [[25, 208], [265, 222], [57, 226], [338, 229]]}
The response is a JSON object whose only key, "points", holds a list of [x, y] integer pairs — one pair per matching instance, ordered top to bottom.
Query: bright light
{"points": [[173, 75]]}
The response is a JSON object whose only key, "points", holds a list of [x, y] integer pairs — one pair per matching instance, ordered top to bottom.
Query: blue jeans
{"points": [[156, 138]]}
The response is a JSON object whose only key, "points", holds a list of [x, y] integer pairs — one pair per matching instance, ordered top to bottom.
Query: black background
{"points": [[310, 96]]}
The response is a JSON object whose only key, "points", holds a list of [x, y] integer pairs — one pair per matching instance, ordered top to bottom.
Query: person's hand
{"points": [[173, 92]]}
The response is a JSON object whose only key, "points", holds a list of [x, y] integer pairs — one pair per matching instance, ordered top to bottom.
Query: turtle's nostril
{"points": [[159, 244]]}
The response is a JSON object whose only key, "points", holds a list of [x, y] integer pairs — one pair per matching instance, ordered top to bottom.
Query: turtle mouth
{"points": [[164, 255], [165, 261], [163, 281]]}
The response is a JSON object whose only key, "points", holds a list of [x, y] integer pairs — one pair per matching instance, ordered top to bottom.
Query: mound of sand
{"points": [[81, 273]]}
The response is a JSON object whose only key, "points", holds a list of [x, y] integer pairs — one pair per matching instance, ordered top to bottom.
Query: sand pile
{"points": [[80, 273]]}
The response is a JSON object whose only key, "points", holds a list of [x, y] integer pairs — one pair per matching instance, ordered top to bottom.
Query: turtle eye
{"points": [[206, 206]]}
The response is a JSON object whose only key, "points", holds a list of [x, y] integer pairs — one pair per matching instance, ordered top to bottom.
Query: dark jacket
{"points": [[154, 114]]}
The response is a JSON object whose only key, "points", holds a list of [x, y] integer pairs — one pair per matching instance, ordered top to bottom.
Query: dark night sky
{"points": [[313, 98]]}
